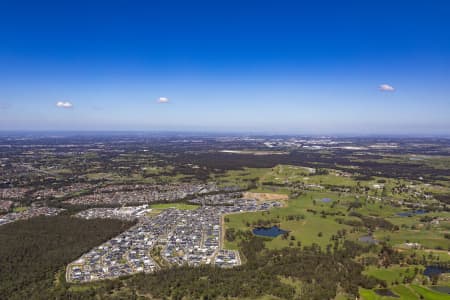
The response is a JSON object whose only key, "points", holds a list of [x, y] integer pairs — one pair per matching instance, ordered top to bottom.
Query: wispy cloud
{"points": [[386, 88], [163, 100], [64, 104]]}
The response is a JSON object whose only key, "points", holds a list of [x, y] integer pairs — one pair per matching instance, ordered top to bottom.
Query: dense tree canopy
{"points": [[32, 251]]}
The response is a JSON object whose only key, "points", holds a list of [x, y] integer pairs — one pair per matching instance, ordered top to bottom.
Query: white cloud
{"points": [[386, 88], [163, 100], [64, 104]]}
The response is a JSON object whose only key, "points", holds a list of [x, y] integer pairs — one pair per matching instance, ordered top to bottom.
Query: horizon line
{"points": [[225, 132]]}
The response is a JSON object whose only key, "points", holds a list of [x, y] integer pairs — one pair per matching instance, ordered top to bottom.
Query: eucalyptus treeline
{"points": [[33, 251]]}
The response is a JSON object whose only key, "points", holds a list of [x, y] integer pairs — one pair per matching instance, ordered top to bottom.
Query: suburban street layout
{"points": [[141, 194], [171, 237]]}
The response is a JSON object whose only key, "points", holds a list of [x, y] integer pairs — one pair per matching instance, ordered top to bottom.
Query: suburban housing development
{"points": [[191, 237]]}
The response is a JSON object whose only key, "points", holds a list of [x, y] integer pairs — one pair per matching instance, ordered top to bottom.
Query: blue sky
{"points": [[308, 67]]}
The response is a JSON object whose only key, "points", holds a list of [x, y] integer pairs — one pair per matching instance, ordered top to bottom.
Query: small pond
{"points": [[327, 200], [411, 213], [273, 231], [368, 239], [435, 270], [441, 289], [386, 293]]}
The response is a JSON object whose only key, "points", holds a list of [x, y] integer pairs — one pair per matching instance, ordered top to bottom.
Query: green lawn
{"points": [[281, 174], [240, 177], [177, 205], [20, 209], [378, 209], [305, 230], [427, 238], [443, 255], [391, 274], [405, 292], [429, 294], [371, 295]]}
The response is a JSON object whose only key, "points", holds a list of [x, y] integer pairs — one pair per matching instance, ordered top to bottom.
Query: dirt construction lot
{"points": [[265, 196]]}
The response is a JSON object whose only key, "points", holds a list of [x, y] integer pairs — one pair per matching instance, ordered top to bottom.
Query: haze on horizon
{"points": [[273, 66]]}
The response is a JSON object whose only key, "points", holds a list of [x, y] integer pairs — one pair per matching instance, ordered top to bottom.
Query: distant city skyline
{"points": [[266, 67]]}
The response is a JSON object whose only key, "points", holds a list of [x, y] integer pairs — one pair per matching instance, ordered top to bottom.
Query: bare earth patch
{"points": [[263, 197]]}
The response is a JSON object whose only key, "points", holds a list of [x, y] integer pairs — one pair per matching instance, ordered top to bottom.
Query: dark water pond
{"points": [[411, 213], [273, 231], [368, 239], [434, 270], [441, 289], [386, 293]]}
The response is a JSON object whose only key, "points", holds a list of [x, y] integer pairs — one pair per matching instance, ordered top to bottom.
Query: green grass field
{"points": [[177, 205], [20, 209], [412, 229], [305, 230], [431, 239], [392, 274], [405, 292], [429, 294], [371, 295]]}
